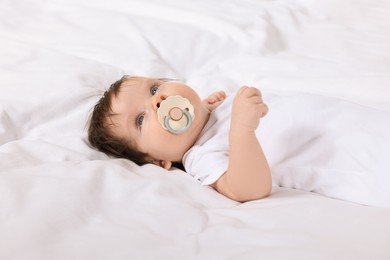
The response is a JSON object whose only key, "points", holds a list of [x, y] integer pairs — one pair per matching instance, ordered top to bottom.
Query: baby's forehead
{"points": [[138, 80], [131, 82], [135, 83], [121, 98], [126, 98], [117, 118]]}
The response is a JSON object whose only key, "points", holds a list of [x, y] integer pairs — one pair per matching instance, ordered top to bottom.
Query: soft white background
{"points": [[60, 199]]}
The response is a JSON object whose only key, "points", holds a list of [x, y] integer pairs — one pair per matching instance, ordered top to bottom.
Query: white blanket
{"points": [[329, 146], [60, 199]]}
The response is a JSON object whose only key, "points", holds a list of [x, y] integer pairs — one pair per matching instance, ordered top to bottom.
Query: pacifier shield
{"points": [[176, 114]]}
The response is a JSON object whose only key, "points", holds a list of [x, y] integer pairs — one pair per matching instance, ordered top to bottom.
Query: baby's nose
{"points": [[157, 99]]}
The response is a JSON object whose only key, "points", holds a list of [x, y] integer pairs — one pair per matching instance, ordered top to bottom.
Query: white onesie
{"points": [[326, 145]]}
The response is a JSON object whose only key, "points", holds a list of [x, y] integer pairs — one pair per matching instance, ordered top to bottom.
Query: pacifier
{"points": [[176, 114]]}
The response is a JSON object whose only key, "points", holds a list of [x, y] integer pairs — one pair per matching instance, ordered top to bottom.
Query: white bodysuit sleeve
{"points": [[206, 164]]}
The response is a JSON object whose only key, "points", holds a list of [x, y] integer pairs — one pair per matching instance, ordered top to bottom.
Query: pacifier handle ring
{"points": [[177, 132]]}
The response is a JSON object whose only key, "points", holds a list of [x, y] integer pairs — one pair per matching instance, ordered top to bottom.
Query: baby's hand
{"points": [[214, 100], [248, 108]]}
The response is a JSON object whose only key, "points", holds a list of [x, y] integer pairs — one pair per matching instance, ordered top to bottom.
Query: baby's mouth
{"points": [[176, 114]]}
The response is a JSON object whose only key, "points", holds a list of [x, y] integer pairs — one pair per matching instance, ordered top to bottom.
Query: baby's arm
{"points": [[214, 100], [248, 176]]}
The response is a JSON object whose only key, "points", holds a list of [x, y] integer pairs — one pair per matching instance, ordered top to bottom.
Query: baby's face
{"points": [[135, 108]]}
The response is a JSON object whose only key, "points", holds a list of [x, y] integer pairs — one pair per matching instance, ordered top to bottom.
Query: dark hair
{"points": [[99, 134]]}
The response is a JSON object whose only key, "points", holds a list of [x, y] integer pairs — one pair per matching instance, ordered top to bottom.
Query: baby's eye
{"points": [[153, 90], [140, 120]]}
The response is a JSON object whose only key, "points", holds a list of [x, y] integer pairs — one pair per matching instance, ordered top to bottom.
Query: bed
{"points": [[61, 199]]}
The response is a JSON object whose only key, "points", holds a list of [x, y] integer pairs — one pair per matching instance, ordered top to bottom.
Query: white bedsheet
{"points": [[60, 199]]}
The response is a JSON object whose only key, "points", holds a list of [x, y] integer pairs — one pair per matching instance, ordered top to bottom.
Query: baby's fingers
{"points": [[249, 91], [221, 95], [217, 96], [263, 110]]}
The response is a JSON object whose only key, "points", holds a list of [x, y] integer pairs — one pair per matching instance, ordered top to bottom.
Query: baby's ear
{"points": [[167, 165]]}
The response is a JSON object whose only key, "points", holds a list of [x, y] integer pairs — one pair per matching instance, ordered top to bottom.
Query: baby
{"points": [[125, 124], [319, 144]]}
